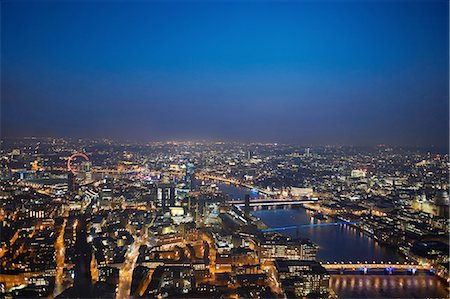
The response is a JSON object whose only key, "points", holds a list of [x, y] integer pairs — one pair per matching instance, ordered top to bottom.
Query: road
{"points": [[60, 250], [126, 271], [273, 282], [143, 285]]}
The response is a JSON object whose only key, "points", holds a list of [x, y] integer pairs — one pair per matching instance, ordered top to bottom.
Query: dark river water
{"points": [[336, 243], [344, 243], [388, 286]]}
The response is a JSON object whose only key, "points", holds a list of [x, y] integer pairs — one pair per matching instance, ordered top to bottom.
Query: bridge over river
{"points": [[203, 176], [262, 202], [283, 228], [368, 267]]}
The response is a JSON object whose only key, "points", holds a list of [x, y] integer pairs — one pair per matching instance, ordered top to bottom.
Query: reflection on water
{"points": [[237, 192], [336, 243], [343, 243], [388, 286]]}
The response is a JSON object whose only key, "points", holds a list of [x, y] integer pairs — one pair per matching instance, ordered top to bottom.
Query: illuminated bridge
{"points": [[203, 176], [261, 202], [276, 229], [366, 267]]}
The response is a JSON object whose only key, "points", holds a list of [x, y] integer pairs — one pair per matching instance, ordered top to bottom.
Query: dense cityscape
{"points": [[224, 149], [99, 218]]}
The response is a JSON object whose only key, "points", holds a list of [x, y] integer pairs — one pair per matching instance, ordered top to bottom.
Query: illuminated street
{"points": [[60, 250], [126, 271]]}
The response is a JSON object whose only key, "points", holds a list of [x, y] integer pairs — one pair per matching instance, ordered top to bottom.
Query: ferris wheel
{"points": [[74, 162]]}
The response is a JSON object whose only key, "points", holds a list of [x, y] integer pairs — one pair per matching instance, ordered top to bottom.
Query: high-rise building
{"points": [[307, 152], [249, 154], [85, 171], [358, 173], [190, 176], [72, 185], [106, 193], [165, 196], [83, 253]]}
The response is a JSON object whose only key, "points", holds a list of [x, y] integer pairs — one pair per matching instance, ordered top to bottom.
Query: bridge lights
{"points": [[412, 270]]}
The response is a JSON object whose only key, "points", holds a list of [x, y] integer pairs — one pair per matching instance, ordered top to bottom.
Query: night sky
{"points": [[306, 72]]}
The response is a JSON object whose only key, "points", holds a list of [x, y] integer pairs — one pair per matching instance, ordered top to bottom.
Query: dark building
{"points": [[249, 154], [72, 185], [247, 205], [174, 279], [82, 283]]}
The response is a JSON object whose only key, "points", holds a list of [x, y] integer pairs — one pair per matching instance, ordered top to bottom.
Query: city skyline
{"points": [[348, 73], [224, 149], [96, 218]]}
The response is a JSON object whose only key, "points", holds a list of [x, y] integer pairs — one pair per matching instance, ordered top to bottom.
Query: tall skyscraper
{"points": [[307, 152], [249, 154], [190, 176], [72, 185], [106, 193], [165, 196]]}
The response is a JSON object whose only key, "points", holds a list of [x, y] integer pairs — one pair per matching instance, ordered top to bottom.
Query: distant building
{"points": [[307, 152], [249, 155], [85, 171], [358, 173], [190, 176], [72, 185], [301, 192], [438, 206]]}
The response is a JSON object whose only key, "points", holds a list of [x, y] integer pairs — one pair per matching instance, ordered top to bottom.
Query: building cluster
{"points": [[84, 218]]}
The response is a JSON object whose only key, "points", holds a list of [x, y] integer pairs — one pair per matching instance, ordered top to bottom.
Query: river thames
{"points": [[336, 243], [344, 243]]}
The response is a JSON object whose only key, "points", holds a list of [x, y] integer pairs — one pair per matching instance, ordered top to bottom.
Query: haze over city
{"points": [[355, 73]]}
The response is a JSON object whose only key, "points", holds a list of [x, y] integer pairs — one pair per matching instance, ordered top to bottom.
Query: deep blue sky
{"points": [[307, 72]]}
